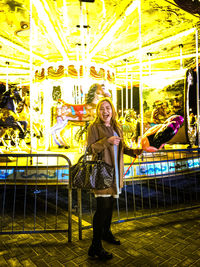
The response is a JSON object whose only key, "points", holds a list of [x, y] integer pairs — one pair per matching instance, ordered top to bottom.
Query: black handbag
{"points": [[89, 174]]}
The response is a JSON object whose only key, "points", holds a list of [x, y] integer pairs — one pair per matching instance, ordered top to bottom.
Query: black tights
{"points": [[102, 219]]}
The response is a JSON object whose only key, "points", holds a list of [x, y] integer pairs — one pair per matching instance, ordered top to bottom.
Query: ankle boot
{"points": [[110, 238], [100, 252]]}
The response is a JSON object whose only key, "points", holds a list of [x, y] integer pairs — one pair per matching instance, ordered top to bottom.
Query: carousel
{"points": [[58, 58]]}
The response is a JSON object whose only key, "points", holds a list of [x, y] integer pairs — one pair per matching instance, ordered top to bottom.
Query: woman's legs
{"points": [[99, 219], [102, 219]]}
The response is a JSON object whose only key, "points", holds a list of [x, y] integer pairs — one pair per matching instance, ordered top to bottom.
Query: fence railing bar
{"points": [[133, 190], [25, 193], [163, 193], [14, 195], [149, 195], [46, 197], [79, 200], [126, 202], [46, 206], [91, 207], [56, 211], [69, 214], [154, 214], [149, 216], [34, 232]]}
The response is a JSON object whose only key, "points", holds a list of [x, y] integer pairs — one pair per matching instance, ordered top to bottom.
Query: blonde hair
{"points": [[114, 118]]}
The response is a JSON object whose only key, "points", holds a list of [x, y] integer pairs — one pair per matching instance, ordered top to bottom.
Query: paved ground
{"points": [[167, 240]]}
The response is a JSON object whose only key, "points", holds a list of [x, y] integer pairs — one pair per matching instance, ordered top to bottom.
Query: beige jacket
{"points": [[97, 137]]}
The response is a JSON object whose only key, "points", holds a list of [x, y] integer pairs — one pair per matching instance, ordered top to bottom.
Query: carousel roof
{"points": [[128, 36]]}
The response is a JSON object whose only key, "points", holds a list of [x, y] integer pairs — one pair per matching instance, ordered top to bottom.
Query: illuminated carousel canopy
{"points": [[102, 31]]}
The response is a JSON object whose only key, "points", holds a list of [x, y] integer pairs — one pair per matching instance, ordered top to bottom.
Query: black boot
{"points": [[110, 238], [96, 248], [100, 252]]}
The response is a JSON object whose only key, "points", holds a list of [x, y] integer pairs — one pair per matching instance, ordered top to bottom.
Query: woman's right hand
{"points": [[114, 140]]}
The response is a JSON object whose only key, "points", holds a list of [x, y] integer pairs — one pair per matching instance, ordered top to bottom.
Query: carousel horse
{"points": [[10, 98], [23, 110], [69, 112], [9, 119], [130, 125], [157, 136]]}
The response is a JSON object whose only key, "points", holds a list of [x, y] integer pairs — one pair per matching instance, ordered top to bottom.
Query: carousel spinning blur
{"points": [[15, 120]]}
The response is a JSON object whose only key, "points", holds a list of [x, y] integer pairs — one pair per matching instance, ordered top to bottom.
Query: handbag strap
{"points": [[86, 153]]}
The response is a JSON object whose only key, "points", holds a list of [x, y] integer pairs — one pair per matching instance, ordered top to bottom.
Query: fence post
{"points": [[79, 213], [69, 214]]}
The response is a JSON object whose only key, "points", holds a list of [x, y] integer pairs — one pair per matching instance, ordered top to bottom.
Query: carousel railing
{"points": [[157, 183], [35, 195]]}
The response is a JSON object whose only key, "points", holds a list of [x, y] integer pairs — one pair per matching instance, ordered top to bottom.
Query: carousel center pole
{"points": [[82, 47], [181, 55], [140, 59], [126, 60], [7, 64], [197, 68], [31, 75], [131, 91], [77, 92], [122, 101]]}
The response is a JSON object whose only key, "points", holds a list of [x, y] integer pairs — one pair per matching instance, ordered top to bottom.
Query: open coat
{"points": [[97, 137]]}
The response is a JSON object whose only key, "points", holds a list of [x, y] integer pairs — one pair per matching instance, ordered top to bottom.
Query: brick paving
{"points": [[167, 240]]}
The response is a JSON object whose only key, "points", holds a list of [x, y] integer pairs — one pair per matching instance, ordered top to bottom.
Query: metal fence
{"points": [[157, 183], [34, 193]]}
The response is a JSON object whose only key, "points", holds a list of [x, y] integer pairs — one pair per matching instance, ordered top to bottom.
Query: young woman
{"points": [[105, 137]]}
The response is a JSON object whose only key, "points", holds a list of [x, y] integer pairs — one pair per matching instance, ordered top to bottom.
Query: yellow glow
{"points": [[131, 8], [104, 9], [65, 15], [45, 18], [107, 38], [157, 44], [19, 48], [156, 61], [21, 63], [14, 70], [16, 77], [163, 78], [68, 86]]}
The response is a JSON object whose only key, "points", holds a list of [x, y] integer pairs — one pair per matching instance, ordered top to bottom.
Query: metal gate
{"points": [[157, 183], [34, 193]]}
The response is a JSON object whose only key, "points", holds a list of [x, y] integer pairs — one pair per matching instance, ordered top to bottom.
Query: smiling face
{"points": [[105, 112]]}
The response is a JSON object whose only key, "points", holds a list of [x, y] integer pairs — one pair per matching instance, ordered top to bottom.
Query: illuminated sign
{"points": [[162, 168], [61, 174]]}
